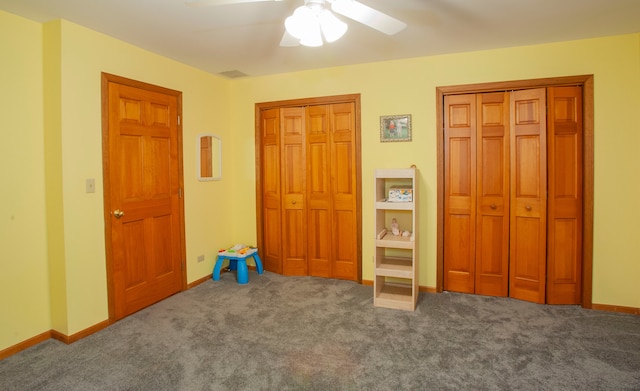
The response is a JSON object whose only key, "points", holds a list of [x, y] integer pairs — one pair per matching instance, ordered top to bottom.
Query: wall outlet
{"points": [[201, 258]]}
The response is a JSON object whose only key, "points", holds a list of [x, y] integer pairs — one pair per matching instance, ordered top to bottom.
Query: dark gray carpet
{"points": [[304, 333]]}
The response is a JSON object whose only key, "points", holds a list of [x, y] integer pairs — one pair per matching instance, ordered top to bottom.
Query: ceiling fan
{"points": [[313, 21]]}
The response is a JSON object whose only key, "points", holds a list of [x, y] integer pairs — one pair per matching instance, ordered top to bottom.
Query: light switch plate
{"points": [[91, 185]]}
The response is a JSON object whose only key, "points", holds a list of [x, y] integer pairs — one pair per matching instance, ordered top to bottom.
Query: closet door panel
{"points": [[344, 191], [293, 192], [318, 192], [460, 193], [528, 195], [565, 196], [319, 237], [492, 241], [272, 244], [271, 250], [458, 252], [490, 253], [526, 253], [294, 261], [344, 266]]}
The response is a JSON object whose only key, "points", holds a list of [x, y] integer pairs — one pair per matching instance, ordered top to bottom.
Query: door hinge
{"points": [[178, 120], [179, 192]]}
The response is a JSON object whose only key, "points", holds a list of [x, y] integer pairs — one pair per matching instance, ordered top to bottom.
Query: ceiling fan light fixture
{"points": [[310, 22], [300, 23], [332, 27], [312, 36]]}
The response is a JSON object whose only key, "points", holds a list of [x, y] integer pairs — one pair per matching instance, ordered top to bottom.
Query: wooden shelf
{"points": [[395, 173], [387, 205], [393, 241], [396, 269], [396, 296]]}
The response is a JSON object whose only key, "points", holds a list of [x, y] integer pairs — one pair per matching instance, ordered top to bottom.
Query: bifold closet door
{"points": [[293, 167], [495, 182], [283, 191], [319, 191], [332, 191], [344, 191], [310, 192], [460, 192], [477, 193], [513, 194], [528, 219], [492, 232], [271, 251], [564, 270]]}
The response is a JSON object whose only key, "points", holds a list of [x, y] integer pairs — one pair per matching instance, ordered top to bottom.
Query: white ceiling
{"points": [[246, 37]]}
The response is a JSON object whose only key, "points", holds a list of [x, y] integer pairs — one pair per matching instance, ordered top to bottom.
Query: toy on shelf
{"points": [[396, 231]]}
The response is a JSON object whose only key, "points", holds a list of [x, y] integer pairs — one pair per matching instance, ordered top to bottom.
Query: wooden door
{"points": [[293, 175], [309, 185], [495, 189], [142, 191], [344, 192], [459, 192], [568, 197], [320, 212], [271, 214], [528, 216], [492, 221], [564, 247]]}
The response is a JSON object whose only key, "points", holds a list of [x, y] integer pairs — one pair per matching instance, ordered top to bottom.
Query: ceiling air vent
{"points": [[233, 74]]}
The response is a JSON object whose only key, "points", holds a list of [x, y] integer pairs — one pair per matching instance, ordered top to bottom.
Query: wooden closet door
{"points": [[293, 165], [332, 191], [344, 191], [319, 192], [459, 192], [528, 195], [309, 216], [492, 222], [271, 246], [564, 264]]}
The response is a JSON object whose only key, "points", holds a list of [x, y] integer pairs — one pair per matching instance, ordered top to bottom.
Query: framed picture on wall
{"points": [[395, 128]]}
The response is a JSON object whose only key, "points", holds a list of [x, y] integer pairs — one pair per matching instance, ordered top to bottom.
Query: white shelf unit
{"points": [[395, 281]]}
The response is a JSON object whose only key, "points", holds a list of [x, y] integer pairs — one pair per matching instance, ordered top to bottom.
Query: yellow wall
{"points": [[84, 55], [53, 176], [52, 249], [52, 269], [24, 286]]}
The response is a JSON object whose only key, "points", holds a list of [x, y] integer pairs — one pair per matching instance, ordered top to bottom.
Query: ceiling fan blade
{"points": [[207, 3], [368, 16], [289, 40]]}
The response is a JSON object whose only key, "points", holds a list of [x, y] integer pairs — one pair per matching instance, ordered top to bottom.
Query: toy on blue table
{"points": [[238, 248]]}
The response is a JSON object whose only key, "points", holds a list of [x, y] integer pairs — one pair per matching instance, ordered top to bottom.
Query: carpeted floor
{"points": [[304, 333]]}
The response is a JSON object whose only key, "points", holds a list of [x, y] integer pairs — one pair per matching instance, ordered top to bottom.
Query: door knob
{"points": [[293, 202], [493, 206], [528, 207], [118, 213]]}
